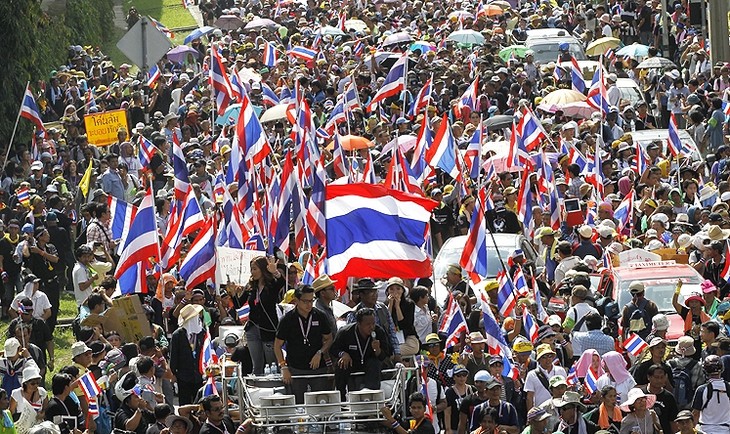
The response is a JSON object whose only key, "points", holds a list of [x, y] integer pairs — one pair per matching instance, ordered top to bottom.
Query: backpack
{"points": [[637, 312], [683, 387], [710, 392]]}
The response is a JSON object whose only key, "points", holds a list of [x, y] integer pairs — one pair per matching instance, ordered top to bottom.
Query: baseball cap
{"points": [[12, 346]]}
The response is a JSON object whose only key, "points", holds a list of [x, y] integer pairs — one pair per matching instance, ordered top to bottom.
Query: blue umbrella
{"points": [[198, 33], [634, 50], [230, 116]]}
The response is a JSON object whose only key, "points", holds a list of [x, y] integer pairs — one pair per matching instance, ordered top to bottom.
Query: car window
{"points": [[548, 52], [630, 94], [447, 257], [660, 290]]}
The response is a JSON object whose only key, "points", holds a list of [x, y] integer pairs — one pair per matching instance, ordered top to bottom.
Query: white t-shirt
{"points": [[80, 274], [39, 299], [577, 312], [533, 384], [622, 389], [17, 395], [714, 419]]}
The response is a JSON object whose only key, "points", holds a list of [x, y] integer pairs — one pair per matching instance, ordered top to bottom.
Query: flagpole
{"points": [[214, 112], [15, 128]]}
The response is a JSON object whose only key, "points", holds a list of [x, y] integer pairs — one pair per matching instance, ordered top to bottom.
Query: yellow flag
{"points": [[86, 179]]}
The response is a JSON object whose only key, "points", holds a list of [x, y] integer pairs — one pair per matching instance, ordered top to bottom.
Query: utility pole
{"points": [[718, 30]]}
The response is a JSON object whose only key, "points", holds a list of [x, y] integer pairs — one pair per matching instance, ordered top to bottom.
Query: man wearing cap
{"points": [[585, 245], [457, 284], [325, 293], [369, 298], [637, 315], [575, 318], [307, 335], [15, 358], [496, 366], [537, 383], [558, 386], [468, 404], [134, 414], [507, 419], [685, 422]]}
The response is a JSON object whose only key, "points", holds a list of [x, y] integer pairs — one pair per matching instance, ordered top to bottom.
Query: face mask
{"points": [[194, 325]]}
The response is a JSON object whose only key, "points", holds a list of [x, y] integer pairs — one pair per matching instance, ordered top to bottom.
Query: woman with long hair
{"points": [[263, 291]]}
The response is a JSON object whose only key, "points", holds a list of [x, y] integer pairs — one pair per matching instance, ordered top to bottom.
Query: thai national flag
{"points": [[161, 27], [358, 49], [303, 53], [270, 55], [153, 74], [576, 76], [219, 81], [394, 84], [268, 96], [597, 96], [351, 98], [422, 99], [469, 99], [29, 110], [337, 116], [531, 130], [250, 135], [673, 142], [423, 143], [146, 151], [474, 151], [442, 153], [517, 155], [339, 161], [642, 162], [180, 168], [23, 196], [524, 203], [625, 211], [121, 216], [186, 217], [316, 220], [375, 231], [141, 242], [474, 255], [200, 262], [521, 287], [506, 300], [243, 312], [542, 314], [453, 324], [531, 328], [634, 344], [207, 354], [423, 371], [572, 378], [591, 382], [88, 384], [209, 388], [93, 407]]}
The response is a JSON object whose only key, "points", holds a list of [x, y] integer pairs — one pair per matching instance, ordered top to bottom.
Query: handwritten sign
{"points": [[101, 128], [637, 255], [235, 265]]}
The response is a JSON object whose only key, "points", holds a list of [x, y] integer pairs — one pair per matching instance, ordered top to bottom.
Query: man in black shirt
{"points": [[11, 283], [307, 335], [359, 348], [62, 404], [134, 414], [217, 422]]}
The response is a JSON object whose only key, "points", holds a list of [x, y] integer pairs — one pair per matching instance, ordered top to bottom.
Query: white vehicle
{"points": [[546, 42], [630, 91], [645, 137], [450, 253]]}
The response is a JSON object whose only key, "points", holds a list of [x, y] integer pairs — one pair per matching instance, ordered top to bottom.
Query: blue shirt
{"points": [[112, 185]]}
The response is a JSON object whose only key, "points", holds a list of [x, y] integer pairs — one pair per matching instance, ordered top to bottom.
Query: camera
{"points": [[67, 424]]}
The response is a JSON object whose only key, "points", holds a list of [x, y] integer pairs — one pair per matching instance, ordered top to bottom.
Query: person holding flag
{"points": [[537, 383], [417, 424]]}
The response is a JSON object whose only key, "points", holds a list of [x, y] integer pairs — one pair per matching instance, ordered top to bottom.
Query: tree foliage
{"points": [[33, 43]]}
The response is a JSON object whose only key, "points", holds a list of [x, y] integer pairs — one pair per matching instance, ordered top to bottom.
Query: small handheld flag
{"points": [[243, 312], [634, 344], [591, 382], [88, 384]]}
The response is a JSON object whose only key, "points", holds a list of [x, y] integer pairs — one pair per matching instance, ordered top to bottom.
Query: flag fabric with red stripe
{"points": [[304, 53], [270, 56], [219, 81], [394, 82], [29, 110], [142, 240], [474, 256], [725, 273], [506, 300], [243, 312], [453, 324], [531, 328], [634, 344], [208, 355], [591, 382], [88, 384]]}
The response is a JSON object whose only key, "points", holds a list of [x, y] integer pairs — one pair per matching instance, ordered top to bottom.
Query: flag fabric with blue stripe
{"points": [[303, 53], [270, 55], [153, 75], [576, 76], [394, 82], [268, 96], [597, 96], [29, 110], [442, 153], [624, 212], [121, 216], [142, 241], [474, 256], [506, 301], [243, 312], [453, 324], [531, 328], [634, 344], [207, 355], [591, 382], [88, 384], [210, 388]]}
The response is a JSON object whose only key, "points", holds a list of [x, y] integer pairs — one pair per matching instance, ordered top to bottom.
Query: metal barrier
{"points": [[305, 416]]}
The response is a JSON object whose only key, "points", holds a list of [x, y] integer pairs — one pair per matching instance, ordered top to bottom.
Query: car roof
{"points": [[547, 33], [626, 82], [637, 272]]}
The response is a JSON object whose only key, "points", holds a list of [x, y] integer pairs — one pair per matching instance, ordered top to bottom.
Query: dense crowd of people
{"points": [[568, 371]]}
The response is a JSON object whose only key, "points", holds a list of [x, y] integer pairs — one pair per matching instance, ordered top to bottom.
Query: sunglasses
{"points": [[34, 383]]}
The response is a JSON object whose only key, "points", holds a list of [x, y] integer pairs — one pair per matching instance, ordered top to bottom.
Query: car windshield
{"points": [[548, 52], [630, 94], [448, 256], [660, 291]]}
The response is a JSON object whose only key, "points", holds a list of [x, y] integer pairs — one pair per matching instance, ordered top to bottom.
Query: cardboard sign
{"points": [[101, 128], [637, 255], [235, 265], [126, 316]]}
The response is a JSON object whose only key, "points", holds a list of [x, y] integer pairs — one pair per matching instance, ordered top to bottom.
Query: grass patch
{"points": [[171, 13]]}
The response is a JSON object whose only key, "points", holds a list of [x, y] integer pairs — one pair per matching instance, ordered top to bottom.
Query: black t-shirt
{"points": [[7, 249], [303, 336], [242, 355], [453, 400], [468, 404], [67, 407], [665, 407], [125, 413], [227, 427], [425, 427]]}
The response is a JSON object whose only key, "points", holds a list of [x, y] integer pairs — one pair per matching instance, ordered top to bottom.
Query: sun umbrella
{"points": [[502, 4], [491, 10], [461, 15], [228, 22], [260, 23], [356, 25], [329, 30], [198, 33], [469, 37], [397, 38], [424, 46], [599, 46], [517, 50], [634, 50], [179, 53], [386, 59], [656, 62], [561, 97], [579, 109], [275, 113], [498, 122], [350, 142], [405, 142]]}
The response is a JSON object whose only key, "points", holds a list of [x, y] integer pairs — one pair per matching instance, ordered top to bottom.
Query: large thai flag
{"points": [[304, 53], [269, 55], [153, 75], [576, 76], [219, 81], [395, 82], [268, 96], [597, 96], [470, 98], [422, 99], [29, 110], [250, 135], [673, 142], [146, 151], [473, 151], [442, 153], [339, 161], [180, 167], [287, 205], [625, 211], [121, 216], [231, 227], [375, 231], [141, 242], [474, 255], [200, 262], [506, 300], [453, 323], [531, 328], [634, 344], [208, 355]]}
